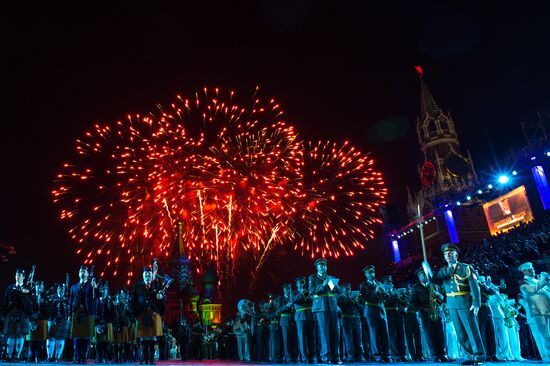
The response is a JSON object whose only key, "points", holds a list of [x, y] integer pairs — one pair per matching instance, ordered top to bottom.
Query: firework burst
{"points": [[233, 172]]}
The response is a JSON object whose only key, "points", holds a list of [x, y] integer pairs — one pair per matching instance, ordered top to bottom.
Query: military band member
{"points": [[536, 292], [374, 295], [426, 299], [463, 301], [81, 304], [148, 305], [394, 305], [17, 309], [285, 309], [325, 309], [104, 315], [485, 320], [304, 321], [39, 323], [60, 325], [351, 325], [412, 328], [274, 329]]}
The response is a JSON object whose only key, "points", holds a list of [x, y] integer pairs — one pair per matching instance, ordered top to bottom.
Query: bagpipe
{"points": [[166, 279]]}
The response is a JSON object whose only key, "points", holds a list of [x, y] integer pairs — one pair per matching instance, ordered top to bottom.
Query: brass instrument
{"points": [[435, 302]]}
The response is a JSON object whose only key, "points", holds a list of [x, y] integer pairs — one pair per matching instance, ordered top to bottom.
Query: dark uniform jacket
{"points": [[461, 286], [485, 292], [82, 296], [372, 297], [323, 298], [420, 298], [14, 299], [145, 299], [302, 306], [285, 309], [350, 309], [104, 311]]}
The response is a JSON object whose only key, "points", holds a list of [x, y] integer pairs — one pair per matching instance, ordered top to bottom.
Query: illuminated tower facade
{"points": [[445, 169]]}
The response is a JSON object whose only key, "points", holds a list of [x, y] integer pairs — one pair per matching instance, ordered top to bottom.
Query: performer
{"points": [[324, 289], [536, 292], [374, 295], [427, 298], [463, 302], [81, 304], [497, 304], [148, 305], [394, 305], [17, 309], [285, 309], [41, 313], [104, 315], [304, 321], [486, 321], [60, 325], [351, 325], [412, 328], [274, 330], [184, 337]]}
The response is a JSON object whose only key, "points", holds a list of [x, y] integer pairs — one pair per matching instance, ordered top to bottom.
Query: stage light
{"points": [[548, 153], [533, 157], [514, 173], [503, 179], [490, 186], [479, 191], [468, 197], [458, 203], [446, 205]]}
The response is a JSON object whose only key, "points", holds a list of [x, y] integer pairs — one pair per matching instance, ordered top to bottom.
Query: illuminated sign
{"points": [[508, 210]]}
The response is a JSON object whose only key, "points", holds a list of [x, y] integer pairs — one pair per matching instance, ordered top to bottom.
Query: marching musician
{"points": [[324, 289], [536, 292], [374, 296], [426, 299], [463, 301], [81, 304], [148, 305], [394, 305], [285, 309], [17, 310], [104, 314], [486, 321], [39, 323], [121, 324], [305, 324], [60, 325], [351, 325], [412, 328], [274, 329]]}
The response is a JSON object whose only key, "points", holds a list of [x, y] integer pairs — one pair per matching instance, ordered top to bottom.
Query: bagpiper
{"points": [[81, 304], [148, 305], [17, 310], [104, 315], [39, 323], [60, 325]]}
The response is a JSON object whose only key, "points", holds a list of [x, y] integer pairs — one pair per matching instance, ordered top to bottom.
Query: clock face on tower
{"points": [[428, 174]]}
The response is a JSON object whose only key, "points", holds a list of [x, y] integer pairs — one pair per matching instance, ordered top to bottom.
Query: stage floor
{"points": [[237, 363]]}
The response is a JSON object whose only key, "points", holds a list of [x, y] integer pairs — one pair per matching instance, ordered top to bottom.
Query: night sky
{"points": [[341, 69]]}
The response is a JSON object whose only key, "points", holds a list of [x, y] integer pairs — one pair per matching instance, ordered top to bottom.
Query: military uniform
{"points": [[462, 291], [537, 298], [81, 303], [426, 305], [18, 308], [285, 309], [325, 310], [375, 313], [104, 318], [485, 320], [305, 324], [396, 324], [351, 329], [412, 330], [274, 331], [37, 337]]}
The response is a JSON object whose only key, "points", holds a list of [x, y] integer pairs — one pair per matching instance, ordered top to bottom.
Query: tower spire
{"points": [[428, 105]]}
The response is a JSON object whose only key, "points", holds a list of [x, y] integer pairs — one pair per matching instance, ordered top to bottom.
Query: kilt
{"points": [[17, 324], [60, 329], [83, 329], [153, 329], [41, 332], [132, 332], [107, 335], [122, 337]]}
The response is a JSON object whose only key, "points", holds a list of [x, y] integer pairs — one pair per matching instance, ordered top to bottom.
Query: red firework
{"points": [[236, 175]]}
